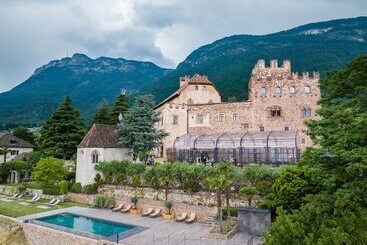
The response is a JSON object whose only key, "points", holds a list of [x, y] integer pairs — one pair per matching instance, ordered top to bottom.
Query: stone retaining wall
{"points": [[11, 190], [40, 235]]}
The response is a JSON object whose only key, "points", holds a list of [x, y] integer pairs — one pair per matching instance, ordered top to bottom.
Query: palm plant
{"points": [[4, 151], [219, 182], [135, 201], [168, 205]]}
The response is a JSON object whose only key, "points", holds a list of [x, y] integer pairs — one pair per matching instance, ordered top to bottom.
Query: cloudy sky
{"points": [[33, 32]]}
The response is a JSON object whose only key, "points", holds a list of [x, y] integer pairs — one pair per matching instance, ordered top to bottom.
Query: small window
{"points": [[196, 87], [204, 88], [292, 89], [307, 89], [278, 90], [263, 91], [210, 101], [190, 102], [170, 106], [177, 106], [274, 111], [306, 112], [235, 116], [221, 117], [174, 119], [199, 119], [286, 128], [262, 129], [303, 141], [13, 142], [14, 152], [95, 157]]}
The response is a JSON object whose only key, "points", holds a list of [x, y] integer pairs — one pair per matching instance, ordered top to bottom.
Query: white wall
{"points": [[10, 157], [85, 172]]}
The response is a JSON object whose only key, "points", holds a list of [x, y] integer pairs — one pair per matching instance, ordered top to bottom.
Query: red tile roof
{"points": [[101, 136]]}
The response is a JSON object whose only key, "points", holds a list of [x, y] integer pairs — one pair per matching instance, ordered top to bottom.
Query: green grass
{"points": [[14, 209]]}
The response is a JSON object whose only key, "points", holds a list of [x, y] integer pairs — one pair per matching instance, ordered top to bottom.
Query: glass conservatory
{"points": [[274, 147]]}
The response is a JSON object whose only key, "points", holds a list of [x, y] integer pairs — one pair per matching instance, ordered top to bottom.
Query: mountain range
{"points": [[227, 62]]}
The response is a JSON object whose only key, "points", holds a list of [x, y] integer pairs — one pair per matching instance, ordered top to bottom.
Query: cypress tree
{"points": [[120, 106], [102, 115], [62, 131]]}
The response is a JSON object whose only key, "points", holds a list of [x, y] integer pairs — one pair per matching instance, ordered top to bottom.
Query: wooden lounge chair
{"points": [[54, 204], [118, 208], [127, 209], [148, 212], [156, 213], [182, 217], [191, 218]]}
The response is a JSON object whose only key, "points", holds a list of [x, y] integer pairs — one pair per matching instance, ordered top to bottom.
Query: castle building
{"points": [[268, 127]]}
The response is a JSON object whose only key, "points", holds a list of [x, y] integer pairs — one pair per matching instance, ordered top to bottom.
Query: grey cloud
{"points": [[33, 32]]}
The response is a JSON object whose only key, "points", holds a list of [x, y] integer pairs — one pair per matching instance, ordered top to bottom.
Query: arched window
{"points": [[196, 87], [204, 88], [292, 89], [307, 89], [278, 90], [263, 91], [210, 101], [190, 102], [306, 112], [199, 119], [95, 157]]}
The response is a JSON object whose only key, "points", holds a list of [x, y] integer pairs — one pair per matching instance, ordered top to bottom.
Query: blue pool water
{"points": [[85, 224]]}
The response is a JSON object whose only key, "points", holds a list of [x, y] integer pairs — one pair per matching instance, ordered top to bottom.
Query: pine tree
{"points": [[120, 106], [102, 115], [62, 131], [138, 131]]}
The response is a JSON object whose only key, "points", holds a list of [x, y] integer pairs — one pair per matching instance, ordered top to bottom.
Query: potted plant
{"points": [[135, 209], [169, 215]]}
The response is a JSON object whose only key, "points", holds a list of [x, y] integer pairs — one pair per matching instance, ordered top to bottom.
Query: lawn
{"points": [[14, 209]]}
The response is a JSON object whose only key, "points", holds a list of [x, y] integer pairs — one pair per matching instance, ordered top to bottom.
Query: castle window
{"points": [[196, 87], [204, 88], [292, 89], [307, 89], [278, 90], [263, 91], [210, 101], [190, 102], [274, 111], [306, 112], [235, 116], [221, 117], [174, 119], [199, 119], [286, 128], [262, 129], [303, 141], [13, 142], [95, 157]]}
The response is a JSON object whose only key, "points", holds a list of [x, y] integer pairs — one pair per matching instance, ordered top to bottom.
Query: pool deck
{"points": [[159, 231]]}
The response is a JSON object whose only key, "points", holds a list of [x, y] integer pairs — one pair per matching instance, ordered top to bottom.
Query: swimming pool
{"points": [[99, 227]]}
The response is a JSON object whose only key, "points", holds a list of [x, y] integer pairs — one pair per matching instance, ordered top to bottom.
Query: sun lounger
{"points": [[13, 197], [34, 199], [52, 201], [54, 204], [118, 208], [127, 209], [148, 212], [156, 213], [182, 217], [191, 218]]}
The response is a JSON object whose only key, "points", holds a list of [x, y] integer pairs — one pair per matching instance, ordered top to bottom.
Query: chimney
{"points": [[184, 80]]}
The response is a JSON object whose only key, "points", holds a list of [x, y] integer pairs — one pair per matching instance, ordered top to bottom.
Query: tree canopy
{"points": [[121, 106], [102, 115], [62, 131], [138, 132], [24, 134], [49, 171]]}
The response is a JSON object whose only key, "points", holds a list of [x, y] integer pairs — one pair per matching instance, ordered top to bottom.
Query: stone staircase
{"points": [[209, 220]]}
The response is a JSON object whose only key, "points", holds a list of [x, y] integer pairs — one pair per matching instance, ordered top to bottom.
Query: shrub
{"points": [[49, 171], [70, 176], [98, 179], [64, 186], [191, 186], [76, 187], [21, 188], [90, 189], [51, 190], [102, 201], [135, 201], [168, 205], [232, 211]]}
